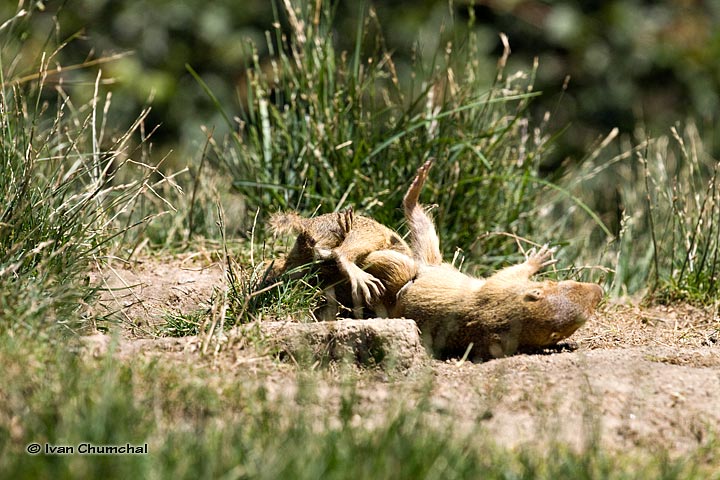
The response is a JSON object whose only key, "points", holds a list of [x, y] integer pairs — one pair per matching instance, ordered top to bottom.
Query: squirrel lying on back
{"points": [[497, 315]]}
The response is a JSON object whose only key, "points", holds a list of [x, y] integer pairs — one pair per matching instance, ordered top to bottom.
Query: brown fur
{"points": [[346, 245], [497, 315]]}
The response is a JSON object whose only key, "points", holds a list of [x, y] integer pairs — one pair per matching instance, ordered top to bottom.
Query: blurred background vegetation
{"points": [[601, 64]]}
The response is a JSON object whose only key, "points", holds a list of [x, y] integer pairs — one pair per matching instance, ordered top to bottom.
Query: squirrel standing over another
{"points": [[346, 246]]}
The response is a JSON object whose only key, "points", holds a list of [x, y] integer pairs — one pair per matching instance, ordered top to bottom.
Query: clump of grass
{"points": [[322, 129], [660, 197], [65, 201], [683, 205], [249, 295], [247, 298], [253, 298], [295, 298], [182, 325]]}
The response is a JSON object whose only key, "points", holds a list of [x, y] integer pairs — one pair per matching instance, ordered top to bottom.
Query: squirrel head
{"points": [[553, 311]]}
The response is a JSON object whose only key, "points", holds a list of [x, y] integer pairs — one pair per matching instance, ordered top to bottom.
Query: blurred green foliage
{"points": [[630, 62]]}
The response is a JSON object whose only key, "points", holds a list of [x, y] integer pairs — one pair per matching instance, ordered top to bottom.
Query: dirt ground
{"points": [[634, 377]]}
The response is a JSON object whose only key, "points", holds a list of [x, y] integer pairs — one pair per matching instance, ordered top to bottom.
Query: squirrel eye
{"points": [[533, 295]]}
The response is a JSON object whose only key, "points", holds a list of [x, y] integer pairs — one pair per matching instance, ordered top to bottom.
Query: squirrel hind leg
{"points": [[331, 309], [381, 311]]}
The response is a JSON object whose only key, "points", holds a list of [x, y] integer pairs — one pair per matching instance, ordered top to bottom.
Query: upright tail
{"points": [[424, 241]]}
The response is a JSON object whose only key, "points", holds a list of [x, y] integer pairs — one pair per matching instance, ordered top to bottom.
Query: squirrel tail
{"points": [[287, 222], [424, 240]]}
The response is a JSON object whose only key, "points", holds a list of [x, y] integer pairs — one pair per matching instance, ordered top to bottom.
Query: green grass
{"points": [[322, 128], [74, 188], [684, 193], [660, 198], [64, 204], [252, 298], [182, 325], [199, 422]]}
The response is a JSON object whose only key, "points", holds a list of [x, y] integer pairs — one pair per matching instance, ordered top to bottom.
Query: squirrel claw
{"points": [[345, 220], [541, 258], [367, 287]]}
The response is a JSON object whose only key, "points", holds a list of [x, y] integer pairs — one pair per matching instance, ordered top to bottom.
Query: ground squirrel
{"points": [[346, 247], [497, 315]]}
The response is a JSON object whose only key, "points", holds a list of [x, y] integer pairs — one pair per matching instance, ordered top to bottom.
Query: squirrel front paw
{"points": [[538, 259]]}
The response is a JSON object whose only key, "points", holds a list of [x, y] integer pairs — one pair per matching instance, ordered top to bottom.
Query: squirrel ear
{"points": [[533, 295]]}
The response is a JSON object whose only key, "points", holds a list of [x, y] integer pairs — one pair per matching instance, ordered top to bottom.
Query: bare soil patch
{"points": [[141, 294], [634, 377]]}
